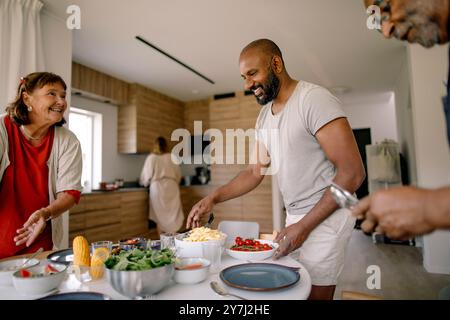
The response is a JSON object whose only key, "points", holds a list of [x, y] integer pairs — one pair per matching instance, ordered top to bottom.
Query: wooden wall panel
{"points": [[196, 111], [239, 112], [153, 114]]}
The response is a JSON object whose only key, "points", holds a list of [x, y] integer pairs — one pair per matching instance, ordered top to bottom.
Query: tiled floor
{"points": [[402, 273]]}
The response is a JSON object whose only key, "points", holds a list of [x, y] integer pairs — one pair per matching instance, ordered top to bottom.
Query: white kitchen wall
{"points": [[58, 59], [428, 71], [374, 111], [405, 120], [114, 164]]}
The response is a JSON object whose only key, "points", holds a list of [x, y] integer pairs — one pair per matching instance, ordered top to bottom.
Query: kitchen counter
{"points": [[196, 185], [97, 191]]}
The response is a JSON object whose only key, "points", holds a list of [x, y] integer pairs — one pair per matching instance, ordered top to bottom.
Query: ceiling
{"points": [[323, 41]]}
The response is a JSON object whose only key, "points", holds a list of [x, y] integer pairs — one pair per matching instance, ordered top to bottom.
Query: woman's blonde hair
{"points": [[160, 145]]}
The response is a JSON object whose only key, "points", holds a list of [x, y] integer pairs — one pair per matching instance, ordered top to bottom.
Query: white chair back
{"points": [[243, 229]]}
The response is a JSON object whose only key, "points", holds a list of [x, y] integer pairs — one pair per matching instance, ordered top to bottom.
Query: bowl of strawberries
{"points": [[251, 249]]}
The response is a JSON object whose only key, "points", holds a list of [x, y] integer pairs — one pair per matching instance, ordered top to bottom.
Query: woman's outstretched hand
{"points": [[32, 228]]}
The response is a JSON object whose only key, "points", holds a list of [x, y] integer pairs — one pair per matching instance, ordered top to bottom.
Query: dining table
{"points": [[175, 291]]}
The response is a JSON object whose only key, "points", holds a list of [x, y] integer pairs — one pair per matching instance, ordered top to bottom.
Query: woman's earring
{"points": [[30, 108]]}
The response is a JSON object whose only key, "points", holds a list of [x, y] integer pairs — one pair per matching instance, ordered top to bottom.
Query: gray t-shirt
{"points": [[302, 168]]}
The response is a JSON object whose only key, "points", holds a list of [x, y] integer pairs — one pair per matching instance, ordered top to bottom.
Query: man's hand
{"points": [[200, 209], [399, 213], [31, 229], [290, 238]]}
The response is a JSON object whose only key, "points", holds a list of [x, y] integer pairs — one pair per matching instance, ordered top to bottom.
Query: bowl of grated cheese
{"points": [[189, 244]]}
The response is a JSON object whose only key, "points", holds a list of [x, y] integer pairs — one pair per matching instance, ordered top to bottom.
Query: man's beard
{"points": [[270, 89]]}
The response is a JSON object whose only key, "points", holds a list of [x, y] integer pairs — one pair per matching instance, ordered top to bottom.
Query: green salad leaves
{"points": [[137, 259]]}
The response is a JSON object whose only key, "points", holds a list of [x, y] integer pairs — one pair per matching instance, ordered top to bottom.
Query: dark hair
{"points": [[18, 110], [160, 145]]}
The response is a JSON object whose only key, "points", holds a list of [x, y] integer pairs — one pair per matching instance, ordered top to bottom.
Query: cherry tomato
{"points": [[238, 239], [249, 242], [257, 243], [50, 269], [25, 273]]}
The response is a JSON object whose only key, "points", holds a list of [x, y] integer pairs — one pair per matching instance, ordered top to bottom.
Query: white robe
{"points": [[163, 177]]}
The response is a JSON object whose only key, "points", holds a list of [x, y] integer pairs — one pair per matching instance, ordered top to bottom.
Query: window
{"points": [[86, 125]]}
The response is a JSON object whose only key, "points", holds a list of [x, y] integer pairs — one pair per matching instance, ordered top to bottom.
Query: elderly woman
{"points": [[40, 166], [163, 176]]}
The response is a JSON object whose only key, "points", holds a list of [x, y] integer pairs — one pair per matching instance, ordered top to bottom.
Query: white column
{"points": [[428, 72]]}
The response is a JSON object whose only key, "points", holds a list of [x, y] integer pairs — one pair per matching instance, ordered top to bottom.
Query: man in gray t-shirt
{"points": [[313, 145], [302, 167]]}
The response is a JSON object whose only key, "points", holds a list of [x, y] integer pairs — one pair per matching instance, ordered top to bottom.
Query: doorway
{"points": [[363, 138]]}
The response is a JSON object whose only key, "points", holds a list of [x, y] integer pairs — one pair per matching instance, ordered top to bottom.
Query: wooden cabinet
{"points": [[95, 82], [147, 115], [134, 213], [110, 216]]}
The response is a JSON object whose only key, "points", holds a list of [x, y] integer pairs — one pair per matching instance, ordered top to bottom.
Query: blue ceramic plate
{"points": [[62, 256], [65, 256], [259, 276], [77, 296]]}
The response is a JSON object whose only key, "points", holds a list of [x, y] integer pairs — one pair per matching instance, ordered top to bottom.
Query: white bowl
{"points": [[188, 249], [253, 255], [7, 268], [191, 276], [39, 285]]}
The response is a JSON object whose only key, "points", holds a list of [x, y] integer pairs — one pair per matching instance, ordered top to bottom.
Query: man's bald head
{"points": [[264, 46], [262, 69]]}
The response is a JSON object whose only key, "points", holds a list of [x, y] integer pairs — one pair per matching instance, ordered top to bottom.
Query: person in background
{"points": [[315, 146], [40, 166], [163, 176], [405, 212]]}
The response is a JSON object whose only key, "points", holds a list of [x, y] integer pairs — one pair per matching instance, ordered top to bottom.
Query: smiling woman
{"points": [[40, 166]]}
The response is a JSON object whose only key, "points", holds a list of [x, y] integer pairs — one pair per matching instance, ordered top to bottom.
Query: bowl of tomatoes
{"points": [[251, 249], [39, 279]]}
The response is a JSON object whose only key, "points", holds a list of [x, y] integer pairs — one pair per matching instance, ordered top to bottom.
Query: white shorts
{"points": [[323, 252]]}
